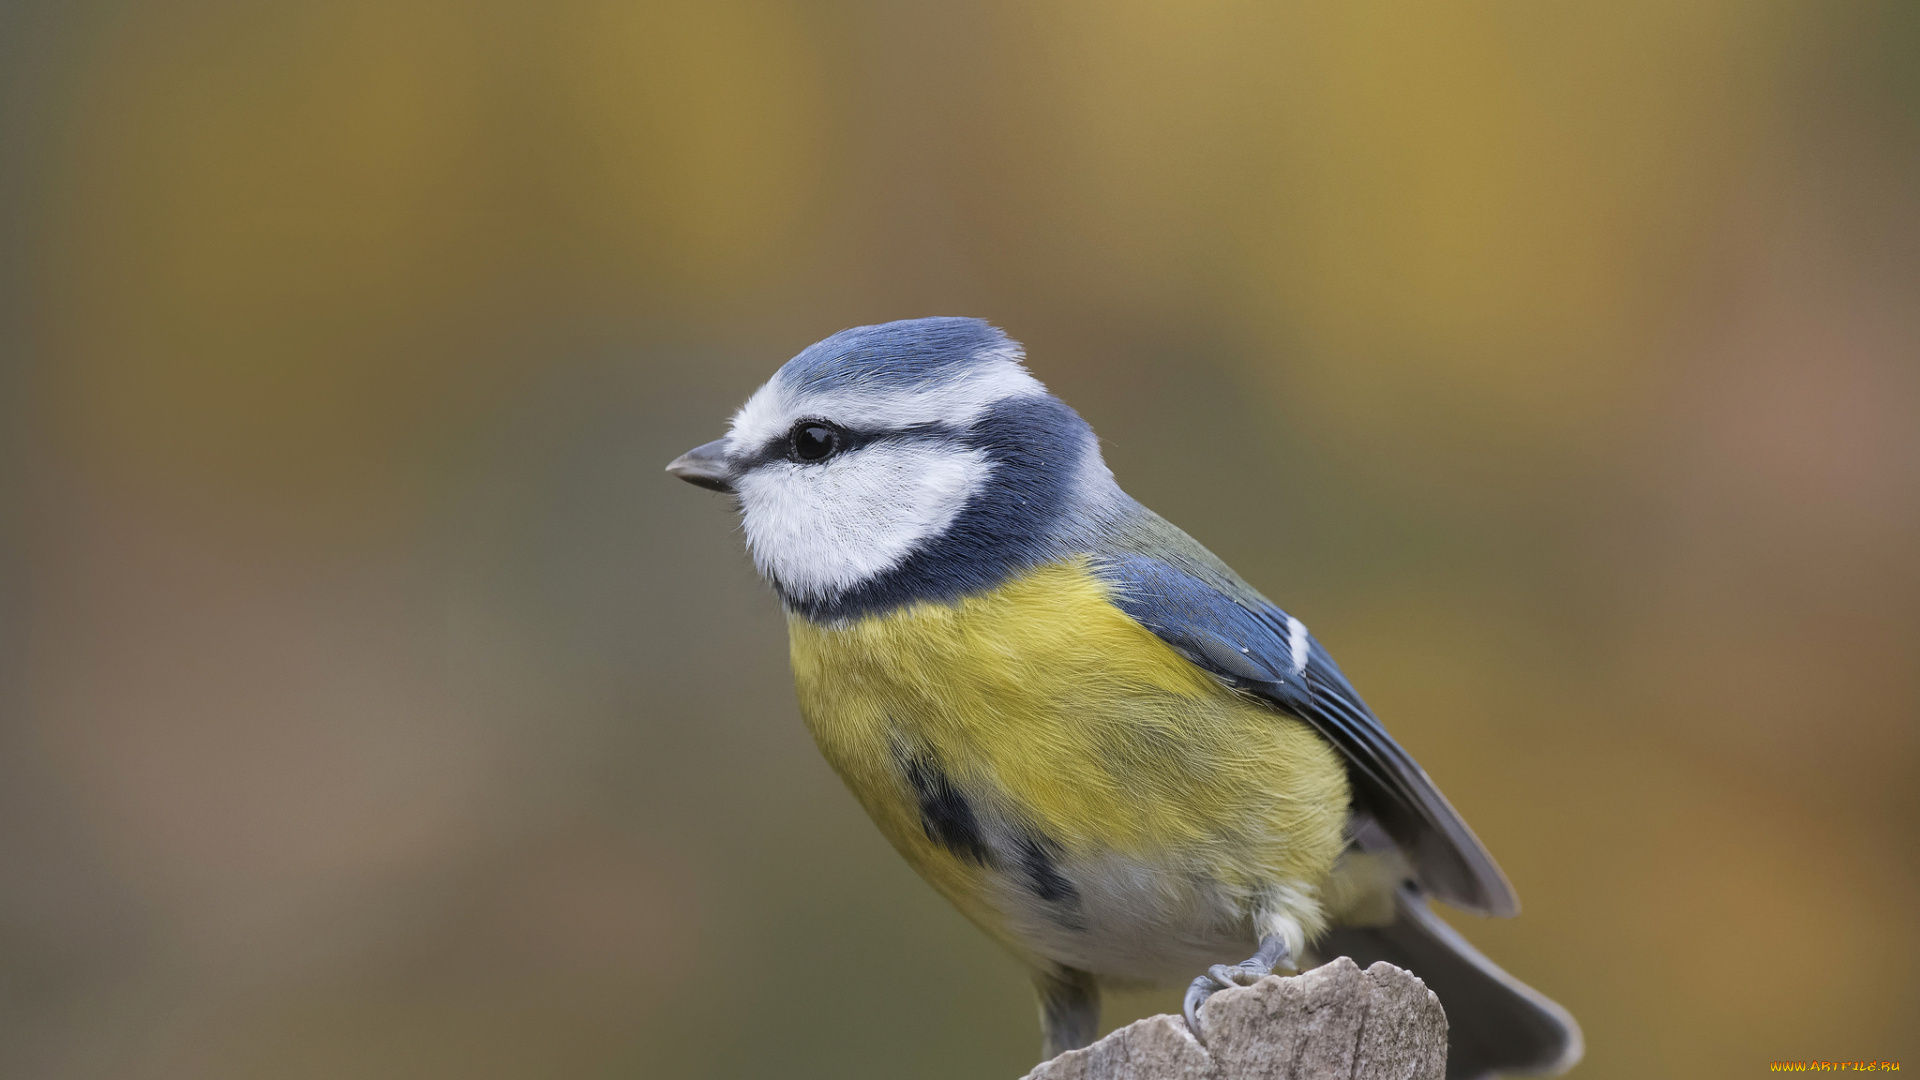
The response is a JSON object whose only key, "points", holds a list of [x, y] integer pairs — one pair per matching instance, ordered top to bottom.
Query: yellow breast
{"points": [[1046, 708]]}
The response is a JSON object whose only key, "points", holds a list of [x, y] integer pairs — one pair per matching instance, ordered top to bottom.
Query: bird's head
{"points": [[910, 460]]}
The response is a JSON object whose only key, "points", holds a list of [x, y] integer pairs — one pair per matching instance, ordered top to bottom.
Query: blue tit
{"points": [[1113, 755]]}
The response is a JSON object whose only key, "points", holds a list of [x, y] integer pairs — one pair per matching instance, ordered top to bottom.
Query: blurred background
{"points": [[372, 705]]}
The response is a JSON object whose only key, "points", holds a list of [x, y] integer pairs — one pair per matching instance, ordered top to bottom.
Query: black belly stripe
{"points": [[945, 814], [949, 821], [1043, 877]]}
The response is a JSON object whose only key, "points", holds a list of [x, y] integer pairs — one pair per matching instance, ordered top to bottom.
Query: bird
{"points": [[1113, 755]]}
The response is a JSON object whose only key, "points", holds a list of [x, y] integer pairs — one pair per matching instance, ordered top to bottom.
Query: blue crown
{"points": [[897, 355]]}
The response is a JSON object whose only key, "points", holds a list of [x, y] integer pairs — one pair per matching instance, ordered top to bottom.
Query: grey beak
{"points": [[704, 466]]}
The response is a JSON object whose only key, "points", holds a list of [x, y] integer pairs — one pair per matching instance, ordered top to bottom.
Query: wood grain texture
{"points": [[1335, 1022]]}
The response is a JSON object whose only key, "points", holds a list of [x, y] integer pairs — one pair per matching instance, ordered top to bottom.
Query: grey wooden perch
{"points": [[1335, 1022]]}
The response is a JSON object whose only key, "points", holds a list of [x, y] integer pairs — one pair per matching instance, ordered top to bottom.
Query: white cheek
{"points": [[818, 530]]}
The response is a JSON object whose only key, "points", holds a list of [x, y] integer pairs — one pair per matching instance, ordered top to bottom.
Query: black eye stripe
{"points": [[780, 447]]}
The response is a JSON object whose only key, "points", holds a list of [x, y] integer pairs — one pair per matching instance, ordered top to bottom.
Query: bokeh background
{"points": [[372, 705]]}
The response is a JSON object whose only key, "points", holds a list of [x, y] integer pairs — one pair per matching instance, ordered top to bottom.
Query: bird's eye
{"points": [[812, 440]]}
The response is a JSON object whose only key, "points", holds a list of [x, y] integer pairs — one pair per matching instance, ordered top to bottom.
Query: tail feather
{"points": [[1496, 1023]]}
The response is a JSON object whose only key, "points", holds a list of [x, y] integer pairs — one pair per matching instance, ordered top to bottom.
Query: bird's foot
{"points": [[1273, 953]]}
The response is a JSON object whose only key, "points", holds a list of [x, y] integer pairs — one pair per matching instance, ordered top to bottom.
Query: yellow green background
{"points": [[373, 706]]}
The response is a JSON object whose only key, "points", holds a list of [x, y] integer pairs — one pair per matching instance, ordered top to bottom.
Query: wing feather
{"points": [[1225, 627]]}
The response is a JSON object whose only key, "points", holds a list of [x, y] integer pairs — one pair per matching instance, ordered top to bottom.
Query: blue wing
{"points": [[1222, 625]]}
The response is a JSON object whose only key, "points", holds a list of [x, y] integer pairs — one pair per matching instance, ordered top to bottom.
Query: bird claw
{"points": [[1273, 953], [1244, 973], [1197, 995]]}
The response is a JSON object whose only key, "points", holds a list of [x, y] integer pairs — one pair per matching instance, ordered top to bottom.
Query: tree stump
{"points": [[1335, 1022]]}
